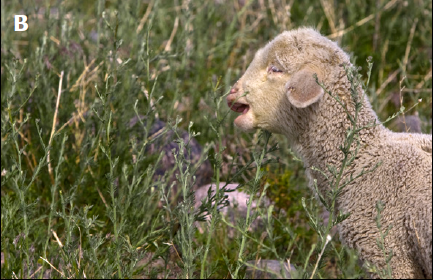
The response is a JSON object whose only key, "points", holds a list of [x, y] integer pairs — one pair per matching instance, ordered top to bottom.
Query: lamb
{"points": [[279, 93]]}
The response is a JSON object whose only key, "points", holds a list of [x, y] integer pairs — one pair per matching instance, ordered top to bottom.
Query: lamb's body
{"points": [[284, 98]]}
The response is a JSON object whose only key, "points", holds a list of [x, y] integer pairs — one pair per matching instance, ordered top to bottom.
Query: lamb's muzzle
{"points": [[237, 102], [234, 104]]}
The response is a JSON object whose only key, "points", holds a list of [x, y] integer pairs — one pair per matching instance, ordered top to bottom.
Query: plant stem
{"points": [[250, 202]]}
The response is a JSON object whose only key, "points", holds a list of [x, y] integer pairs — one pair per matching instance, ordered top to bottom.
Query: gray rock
{"points": [[411, 123], [165, 144]]}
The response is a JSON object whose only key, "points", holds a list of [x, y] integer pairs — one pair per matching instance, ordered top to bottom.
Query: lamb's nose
{"points": [[234, 89]]}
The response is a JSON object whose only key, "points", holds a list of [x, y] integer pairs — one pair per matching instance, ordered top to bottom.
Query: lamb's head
{"points": [[279, 83]]}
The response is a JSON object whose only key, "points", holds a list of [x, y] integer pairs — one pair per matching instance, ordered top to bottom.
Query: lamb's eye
{"points": [[274, 69]]}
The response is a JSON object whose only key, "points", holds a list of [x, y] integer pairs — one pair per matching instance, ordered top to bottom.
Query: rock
{"points": [[410, 123], [165, 144], [236, 208]]}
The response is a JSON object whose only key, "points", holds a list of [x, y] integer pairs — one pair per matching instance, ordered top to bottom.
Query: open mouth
{"points": [[239, 107]]}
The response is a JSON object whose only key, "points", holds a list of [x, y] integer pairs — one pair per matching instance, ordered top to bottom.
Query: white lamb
{"points": [[278, 93]]}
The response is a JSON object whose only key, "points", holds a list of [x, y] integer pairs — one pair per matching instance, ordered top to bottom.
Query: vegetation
{"points": [[78, 190]]}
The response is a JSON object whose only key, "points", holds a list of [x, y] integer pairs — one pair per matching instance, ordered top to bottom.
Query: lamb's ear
{"points": [[302, 89]]}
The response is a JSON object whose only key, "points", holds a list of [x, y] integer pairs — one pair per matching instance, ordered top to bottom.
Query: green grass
{"points": [[94, 210]]}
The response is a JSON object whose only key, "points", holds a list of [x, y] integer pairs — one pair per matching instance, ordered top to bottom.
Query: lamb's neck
{"points": [[318, 143]]}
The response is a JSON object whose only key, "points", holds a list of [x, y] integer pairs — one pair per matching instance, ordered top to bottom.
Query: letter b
{"points": [[20, 20]]}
